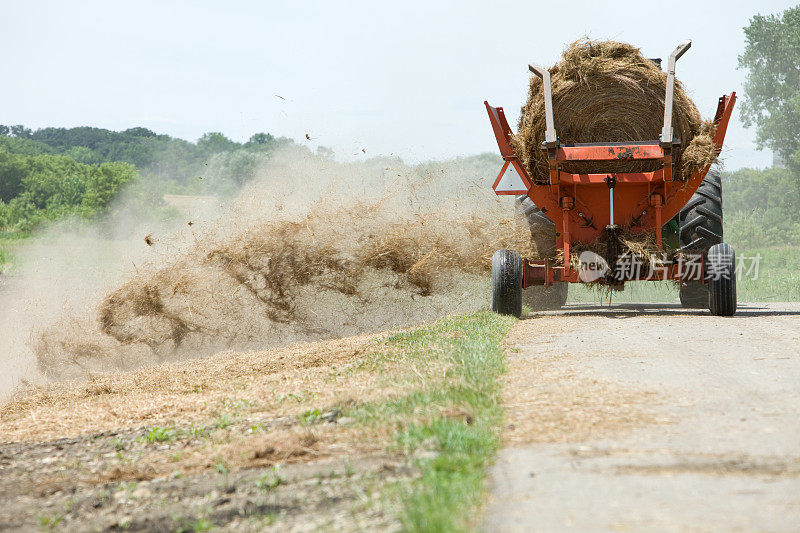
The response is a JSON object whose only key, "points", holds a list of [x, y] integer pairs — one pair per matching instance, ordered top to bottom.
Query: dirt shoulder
{"points": [[650, 417], [348, 434], [242, 441]]}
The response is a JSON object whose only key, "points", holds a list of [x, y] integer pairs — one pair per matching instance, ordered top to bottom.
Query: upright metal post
{"points": [[550, 128], [666, 133], [611, 181], [611, 206]]}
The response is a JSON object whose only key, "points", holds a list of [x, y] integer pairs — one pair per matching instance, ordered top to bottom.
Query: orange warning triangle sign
{"points": [[512, 179]]}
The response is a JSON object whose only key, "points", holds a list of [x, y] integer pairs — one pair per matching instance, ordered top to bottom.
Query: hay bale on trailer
{"points": [[607, 91]]}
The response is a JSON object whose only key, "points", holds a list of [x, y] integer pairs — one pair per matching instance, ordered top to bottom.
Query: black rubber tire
{"points": [[532, 211], [701, 218], [700, 223], [543, 230], [543, 235], [721, 271], [507, 283], [541, 298]]}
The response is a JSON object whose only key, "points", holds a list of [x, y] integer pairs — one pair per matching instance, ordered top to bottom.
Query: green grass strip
{"points": [[452, 453]]}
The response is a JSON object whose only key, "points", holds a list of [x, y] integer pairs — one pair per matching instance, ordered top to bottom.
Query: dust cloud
{"points": [[311, 249]]}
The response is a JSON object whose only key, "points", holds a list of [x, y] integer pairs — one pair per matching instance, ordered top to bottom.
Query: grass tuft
{"points": [[161, 434], [270, 481]]}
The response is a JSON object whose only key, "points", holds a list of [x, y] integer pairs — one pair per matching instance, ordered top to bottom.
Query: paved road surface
{"points": [[695, 422]]}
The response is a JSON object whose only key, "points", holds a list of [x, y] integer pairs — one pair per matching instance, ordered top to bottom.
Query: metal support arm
{"points": [[550, 128], [666, 133]]}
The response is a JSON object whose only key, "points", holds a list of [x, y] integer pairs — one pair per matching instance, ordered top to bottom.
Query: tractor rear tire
{"points": [[532, 211], [701, 228], [543, 230], [543, 236], [721, 269], [507, 283]]}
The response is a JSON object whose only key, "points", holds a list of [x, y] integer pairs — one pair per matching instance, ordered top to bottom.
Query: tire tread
{"points": [[700, 223], [507, 283]]}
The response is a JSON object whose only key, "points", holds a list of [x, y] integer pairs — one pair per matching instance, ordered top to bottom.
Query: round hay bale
{"points": [[606, 91]]}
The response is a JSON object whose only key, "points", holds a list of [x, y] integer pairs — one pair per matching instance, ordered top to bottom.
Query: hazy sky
{"points": [[406, 78]]}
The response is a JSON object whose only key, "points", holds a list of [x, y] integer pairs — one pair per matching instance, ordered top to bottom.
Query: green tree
{"points": [[772, 89], [20, 131], [141, 132], [261, 139], [214, 142], [22, 146], [85, 155], [13, 169], [228, 171], [54, 182], [103, 184], [47, 187], [43, 188], [748, 189], [761, 207]]}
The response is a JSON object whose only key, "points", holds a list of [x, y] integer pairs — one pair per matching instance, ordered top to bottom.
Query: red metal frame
{"points": [[610, 152], [578, 203]]}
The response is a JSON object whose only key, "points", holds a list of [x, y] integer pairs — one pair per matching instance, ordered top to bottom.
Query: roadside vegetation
{"points": [[452, 423], [394, 431]]}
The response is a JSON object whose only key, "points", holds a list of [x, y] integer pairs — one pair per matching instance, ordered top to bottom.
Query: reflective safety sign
{"points": [[511, 180]]}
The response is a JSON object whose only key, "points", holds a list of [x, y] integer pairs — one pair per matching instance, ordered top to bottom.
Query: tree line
{"points": [[50, 173]]}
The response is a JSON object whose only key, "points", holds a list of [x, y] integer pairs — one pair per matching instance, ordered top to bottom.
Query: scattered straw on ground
{"points": [[607, 91], [274, 383], [547, 402], [280, 447], [719, 465]]}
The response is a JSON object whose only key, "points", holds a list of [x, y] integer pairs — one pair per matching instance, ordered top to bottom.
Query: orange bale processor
{"points": [[591, 207]]}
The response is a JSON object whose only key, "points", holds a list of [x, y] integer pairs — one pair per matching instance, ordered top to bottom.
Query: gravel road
{"points": [[651, 418]]}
